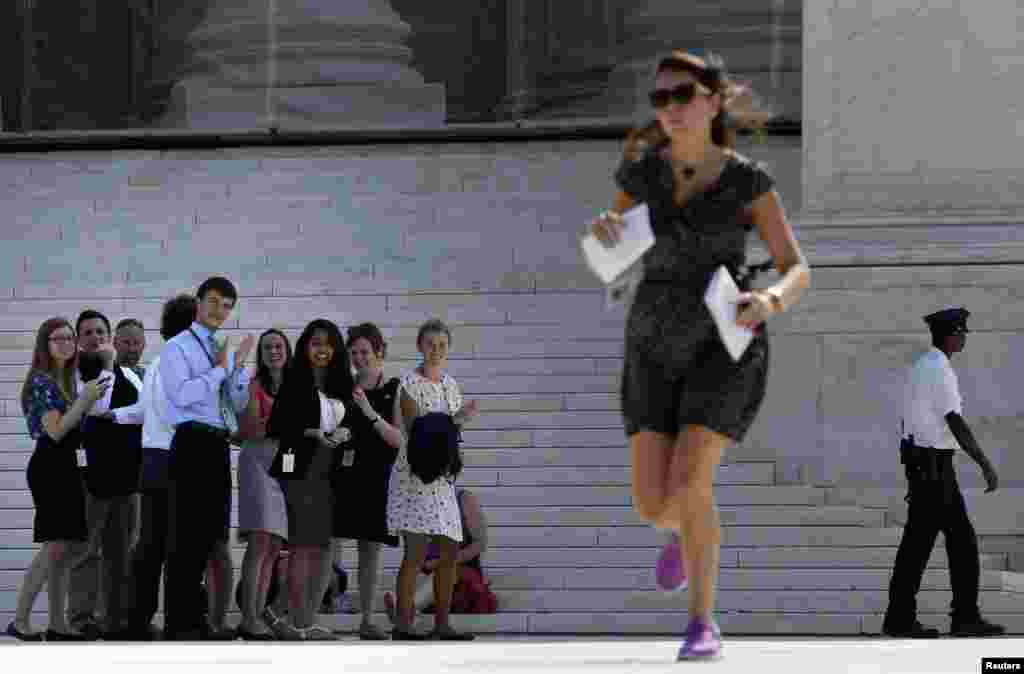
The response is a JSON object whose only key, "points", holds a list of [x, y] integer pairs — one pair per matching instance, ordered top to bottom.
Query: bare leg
{"points": [[652, 455], [701, 534], [62, 556], [412, 560], [369, 561], [257, 565], [325, 577], [220, 581], [444, 582], [31, 585]]}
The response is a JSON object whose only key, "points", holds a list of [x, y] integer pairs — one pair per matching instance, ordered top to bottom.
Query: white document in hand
{"points": [[637, 239], [720, 297]]}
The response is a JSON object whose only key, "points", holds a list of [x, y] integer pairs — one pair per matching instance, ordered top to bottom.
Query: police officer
{"points": [[933, 426]]}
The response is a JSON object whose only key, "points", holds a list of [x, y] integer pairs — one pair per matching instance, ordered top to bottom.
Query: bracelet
{"points": [[775, 299]]}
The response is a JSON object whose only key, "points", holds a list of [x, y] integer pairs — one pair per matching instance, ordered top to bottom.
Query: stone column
{"points": [[759, 41], [559, 56], [301, 64]]}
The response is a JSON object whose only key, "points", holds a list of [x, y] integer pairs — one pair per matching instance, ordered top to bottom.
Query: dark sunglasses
{"points": [[682, 95]]}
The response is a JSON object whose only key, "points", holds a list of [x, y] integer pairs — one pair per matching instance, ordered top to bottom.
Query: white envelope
{"points": [[637, 238], [720, 298]]}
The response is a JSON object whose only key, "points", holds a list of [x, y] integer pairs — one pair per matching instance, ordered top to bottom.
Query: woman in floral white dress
{"points": [[426, 513]]}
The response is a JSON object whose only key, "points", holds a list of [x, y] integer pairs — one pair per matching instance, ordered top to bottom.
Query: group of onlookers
{"points": [[131, 477]]}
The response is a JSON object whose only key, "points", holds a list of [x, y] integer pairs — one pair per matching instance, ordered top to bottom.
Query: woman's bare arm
{"points": [[770, 219], [476, 522]]}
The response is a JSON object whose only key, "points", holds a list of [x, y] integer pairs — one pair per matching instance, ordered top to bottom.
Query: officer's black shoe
{"points": [[979, 627], [914, 631]]}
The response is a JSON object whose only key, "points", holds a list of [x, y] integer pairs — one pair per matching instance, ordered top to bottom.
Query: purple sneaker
{"points": [[670, 571], [703, 641]]}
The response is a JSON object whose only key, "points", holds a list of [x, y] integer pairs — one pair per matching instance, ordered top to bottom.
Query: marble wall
{"points": [[913, 108], [485, 234]]}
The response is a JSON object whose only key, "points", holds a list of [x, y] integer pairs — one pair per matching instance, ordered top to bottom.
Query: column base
{"points": [[198, 106]]}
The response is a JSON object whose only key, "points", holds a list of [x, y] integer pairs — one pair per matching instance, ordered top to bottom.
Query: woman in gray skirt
{"points": [[262, 514]]}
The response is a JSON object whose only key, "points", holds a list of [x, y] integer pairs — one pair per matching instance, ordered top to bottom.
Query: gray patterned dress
{"points": [[677, 372]]}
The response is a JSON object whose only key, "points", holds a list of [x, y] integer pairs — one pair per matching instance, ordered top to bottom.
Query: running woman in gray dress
{"points": [[684, 399]]}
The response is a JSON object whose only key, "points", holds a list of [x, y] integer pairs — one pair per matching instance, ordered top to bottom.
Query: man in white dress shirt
{"points": [[933, 427]]}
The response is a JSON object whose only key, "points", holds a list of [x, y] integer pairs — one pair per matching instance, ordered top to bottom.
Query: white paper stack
{"points": [[637, 238], [720, 298]]}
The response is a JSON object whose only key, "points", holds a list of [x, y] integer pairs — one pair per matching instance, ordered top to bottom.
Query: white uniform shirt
{"points": [[932, 391]]}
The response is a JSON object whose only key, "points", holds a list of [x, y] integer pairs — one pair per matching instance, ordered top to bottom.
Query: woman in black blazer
{"points": [[307, 420]]}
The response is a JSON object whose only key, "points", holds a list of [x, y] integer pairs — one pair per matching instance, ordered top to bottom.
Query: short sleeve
{"points": [[632, 177], [947, 393], [454, 394], [43, 397]]}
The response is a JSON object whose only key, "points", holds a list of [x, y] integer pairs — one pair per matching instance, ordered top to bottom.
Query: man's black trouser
{"points": [[199, 490], [935, 505]]}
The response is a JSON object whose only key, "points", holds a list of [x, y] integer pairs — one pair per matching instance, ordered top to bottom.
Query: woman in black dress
{"points": [[684, 399], [54, 415], [307, 417], [361, 480]]}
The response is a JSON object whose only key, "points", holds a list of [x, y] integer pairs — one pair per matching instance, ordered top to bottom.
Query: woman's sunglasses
{"points": [[682, 95]]}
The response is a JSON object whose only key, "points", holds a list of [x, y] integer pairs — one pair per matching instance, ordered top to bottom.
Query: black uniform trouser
{"points": [[200, 488], [935, 506]]}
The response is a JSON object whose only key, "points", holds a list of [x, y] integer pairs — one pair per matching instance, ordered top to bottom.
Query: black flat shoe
{"points": [[976, 628], [13, 631], [913, 631], [54, 635], [219, 635], [246, 635]]}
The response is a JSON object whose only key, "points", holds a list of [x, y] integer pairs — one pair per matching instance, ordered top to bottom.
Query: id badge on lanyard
{"points": [[80, 458], [288, 463]]}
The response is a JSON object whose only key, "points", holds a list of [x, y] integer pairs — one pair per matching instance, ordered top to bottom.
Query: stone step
{"points": [[13, 478], [558, 495], [614, 516], [767, 516], [643, 537], [16, 558], [510, 579], [753, 601], [631, 623]]}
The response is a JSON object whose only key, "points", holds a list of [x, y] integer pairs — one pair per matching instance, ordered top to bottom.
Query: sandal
{"points": [[316, 633]]}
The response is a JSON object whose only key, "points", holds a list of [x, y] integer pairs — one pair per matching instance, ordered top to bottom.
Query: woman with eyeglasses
{"points": [[684, 399], [54, 410]]}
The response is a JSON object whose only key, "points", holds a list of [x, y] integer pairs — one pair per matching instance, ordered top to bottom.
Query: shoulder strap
{"points": [[213, 363]]}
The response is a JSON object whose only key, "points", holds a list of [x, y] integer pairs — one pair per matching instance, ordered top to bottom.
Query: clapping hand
{"points": [[244, 349], [94, 390], [360, 399], [470, 410]]}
